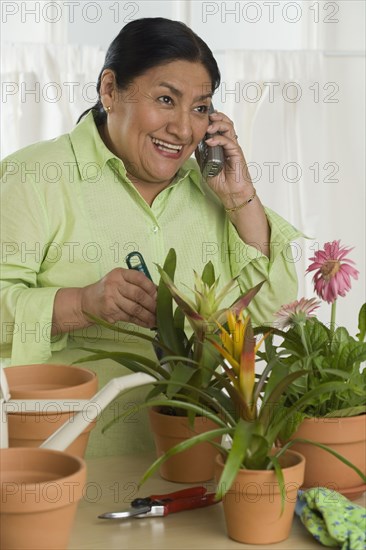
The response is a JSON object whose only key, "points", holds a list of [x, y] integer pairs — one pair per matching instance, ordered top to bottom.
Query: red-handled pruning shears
{"points": [[162, 505]]}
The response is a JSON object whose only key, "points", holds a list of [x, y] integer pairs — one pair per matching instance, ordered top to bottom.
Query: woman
{"points": [[125, 180]]}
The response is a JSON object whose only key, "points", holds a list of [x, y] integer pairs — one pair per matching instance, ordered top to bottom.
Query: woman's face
{"points": [[155, 125]]}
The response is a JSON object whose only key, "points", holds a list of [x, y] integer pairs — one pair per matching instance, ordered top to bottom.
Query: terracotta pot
{"points": [[49, 382], [347, 436], [191, 466], [40, 490], [252, 506]]}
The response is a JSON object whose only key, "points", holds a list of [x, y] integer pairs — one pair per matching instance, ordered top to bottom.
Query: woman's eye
{"points": [[165, 99], [202, 109]]}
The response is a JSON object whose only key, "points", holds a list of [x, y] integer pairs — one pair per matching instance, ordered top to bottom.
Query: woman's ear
{"points": [[108, 88]]}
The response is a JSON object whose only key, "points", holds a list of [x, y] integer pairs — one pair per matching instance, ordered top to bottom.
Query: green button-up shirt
{"points": [[70, 215]]}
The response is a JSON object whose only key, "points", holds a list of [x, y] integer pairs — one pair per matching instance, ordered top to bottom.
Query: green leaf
{"points": [[208, 274], [245, 300], [164, 309], [179, 319], [362, 323], [263, 329], [137, 333], [317, 334], [340, 338], [292, 342], [270, 348], [352, 353], [123, 355], [173, 359], [136, 363], [208, 364], [278, 372], [335, 373], [181, 374], [157, 390], [232, 392], [175, 403], [207, 403], [301, 404], [226, 405], [268, 409], [350, 411], [291, 426], [183, 446], [332, 452], [257, 453], [234, 461], [281, 481]]}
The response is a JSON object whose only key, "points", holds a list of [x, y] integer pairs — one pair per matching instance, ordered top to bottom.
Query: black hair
{"points": [[147, 43]]}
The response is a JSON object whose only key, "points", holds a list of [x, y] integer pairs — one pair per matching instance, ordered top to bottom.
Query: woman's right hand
{"points": [[122, 295]]}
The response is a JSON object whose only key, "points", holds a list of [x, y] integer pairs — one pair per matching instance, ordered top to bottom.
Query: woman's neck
{"points": [[148, 191]]}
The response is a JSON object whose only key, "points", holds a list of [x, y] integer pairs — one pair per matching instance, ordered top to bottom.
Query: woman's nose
{"points": [[180, 126]]}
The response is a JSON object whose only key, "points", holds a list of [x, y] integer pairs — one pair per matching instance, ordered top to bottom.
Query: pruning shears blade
{"points": [[127, 513]]}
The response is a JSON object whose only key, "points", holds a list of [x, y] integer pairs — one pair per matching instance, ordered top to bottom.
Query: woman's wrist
{"points": [[236, 200], [242, 204], [68, 312]]}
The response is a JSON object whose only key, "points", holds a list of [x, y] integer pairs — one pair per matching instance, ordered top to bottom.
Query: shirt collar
{"points": [[89, 148], [92, 154], [191, 171]]}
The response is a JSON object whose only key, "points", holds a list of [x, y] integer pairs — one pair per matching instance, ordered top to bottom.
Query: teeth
{"points": [[167, 146]]}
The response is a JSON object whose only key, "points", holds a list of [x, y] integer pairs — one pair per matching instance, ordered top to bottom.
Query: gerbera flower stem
{"points": [[333, 316], [303, 337]]}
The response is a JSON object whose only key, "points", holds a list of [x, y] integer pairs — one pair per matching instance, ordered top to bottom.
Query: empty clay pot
{"points": [[50, 382], [40, 490]]}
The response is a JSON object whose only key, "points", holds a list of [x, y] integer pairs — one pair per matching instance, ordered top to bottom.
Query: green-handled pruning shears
{"points": [[135, 260]]}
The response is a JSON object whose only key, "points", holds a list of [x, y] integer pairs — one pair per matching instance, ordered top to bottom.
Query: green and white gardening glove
{"points": [[332, 519]]}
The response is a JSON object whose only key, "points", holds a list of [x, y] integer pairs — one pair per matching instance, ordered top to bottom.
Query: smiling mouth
{"points": [[167, 147]]}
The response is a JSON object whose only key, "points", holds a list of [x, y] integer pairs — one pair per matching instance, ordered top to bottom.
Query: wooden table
{"points": [[112, 484]]}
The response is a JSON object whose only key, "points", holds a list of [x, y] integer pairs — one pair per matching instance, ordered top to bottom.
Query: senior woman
{"points": [[127, 182]]}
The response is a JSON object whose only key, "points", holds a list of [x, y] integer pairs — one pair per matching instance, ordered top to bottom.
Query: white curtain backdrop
{"points": [[45, 87], [299, 117]]}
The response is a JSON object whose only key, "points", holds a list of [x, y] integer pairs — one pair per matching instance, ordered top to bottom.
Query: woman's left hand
{"points": [[233, 184], [234, 187]]}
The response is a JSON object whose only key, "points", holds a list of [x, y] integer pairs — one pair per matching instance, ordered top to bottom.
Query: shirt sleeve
{"points": [[251, 267], [26, 308]]}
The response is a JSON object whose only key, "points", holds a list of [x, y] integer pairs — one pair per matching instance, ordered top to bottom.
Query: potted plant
{"points": [[325, 354], [183, 367], [256, 480]]}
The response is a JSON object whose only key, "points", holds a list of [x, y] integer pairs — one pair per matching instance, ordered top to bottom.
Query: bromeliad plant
{"points": [[324, 354], [191, 362], [183, 367], [250, 411]]}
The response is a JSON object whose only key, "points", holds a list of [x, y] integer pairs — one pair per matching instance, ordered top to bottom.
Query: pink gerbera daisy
{"points": [[332, 277], [296, 312]]}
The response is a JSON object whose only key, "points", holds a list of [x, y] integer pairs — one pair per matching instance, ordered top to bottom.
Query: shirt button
{"points": [[155, 229]]}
